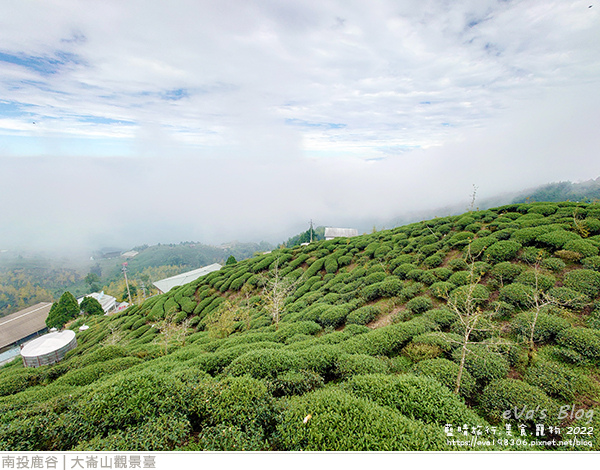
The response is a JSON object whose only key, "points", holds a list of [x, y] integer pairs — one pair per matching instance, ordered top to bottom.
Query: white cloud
{"points": [[281, 111]]}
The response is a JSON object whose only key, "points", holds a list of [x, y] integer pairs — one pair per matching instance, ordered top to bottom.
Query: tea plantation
{"points": [[485, 324]]}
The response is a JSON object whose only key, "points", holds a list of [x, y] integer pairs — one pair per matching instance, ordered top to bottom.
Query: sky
{"points": [[139, 121]]}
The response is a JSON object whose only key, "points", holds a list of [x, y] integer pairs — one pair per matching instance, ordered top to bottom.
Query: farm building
{"points": [[331, 233], [165, 285], [108, 302], [23, 325], [48, 349]]}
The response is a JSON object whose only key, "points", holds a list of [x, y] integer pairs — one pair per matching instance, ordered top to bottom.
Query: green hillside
{"points": [[484, 325]]}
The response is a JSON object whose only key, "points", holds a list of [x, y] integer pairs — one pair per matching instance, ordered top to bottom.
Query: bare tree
{"points": [[276, 289], [466, 304], [222, 322], [172, 332]]}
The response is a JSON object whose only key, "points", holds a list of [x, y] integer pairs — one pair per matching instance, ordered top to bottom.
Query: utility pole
{"points": [[311, 230], [127, 282]]}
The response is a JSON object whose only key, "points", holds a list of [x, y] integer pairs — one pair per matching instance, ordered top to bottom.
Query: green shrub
{"points": [[526, 236], [557, 239], [479, 245], [583, 247], [504, 250], [533, 255], [568, 256], [433, 261], [593, 263], [331, 264], [457, 264], [554, 264], [403, 270], [506, 272], [442, 273], [375, 277], [461, 278], [537, 280], [585, 281], [390, 287], [410, 290], [441, 290], [517, 294], [466, 297], [568, 297], [419, 304], [363, 315], [333, 316], [442, 317], [547, 327], [483, 329], [287, 331], [388, 339], [584, 341], [446, 342], [416, 352], [104, 353], [266, 363], [355, 364], [483, 364], [93, 372], [446, 373], [555, 379], [18, 380], [296, 382], [514, 396], [417, 397], [241, 401], [332, 420], [165, 433]]}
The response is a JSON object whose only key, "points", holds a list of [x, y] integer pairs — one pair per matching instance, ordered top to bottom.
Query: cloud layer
{"points": [[219, 120]]}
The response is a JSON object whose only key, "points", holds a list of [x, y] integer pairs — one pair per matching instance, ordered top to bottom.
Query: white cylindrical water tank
{"points": [[48, 349]]}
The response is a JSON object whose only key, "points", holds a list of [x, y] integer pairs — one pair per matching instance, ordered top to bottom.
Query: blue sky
{"points": [[413, 102]]}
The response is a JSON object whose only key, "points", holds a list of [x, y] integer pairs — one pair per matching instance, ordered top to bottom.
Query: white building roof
{"points": [[331, 232], [165, 285], [108, 302], [48, 343]]}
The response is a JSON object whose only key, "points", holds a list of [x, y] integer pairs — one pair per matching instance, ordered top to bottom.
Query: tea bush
{"points": [[557, 239], [582, 247], [504, 250], [593, 263], [537, 280], [585, 281], [441, 290], [517, 294], [568, 297], [419, 304], [363, 315], [442, 317], [547, 326], [387, 340], [584, 341], [358, 364], [483, 364], [446, 373], [555, 379], [296, 383], [417, 397], [523, 400], [333, 420]]}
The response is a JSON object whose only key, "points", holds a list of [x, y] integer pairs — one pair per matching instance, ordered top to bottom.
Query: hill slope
{"points": [[348, 344]]}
